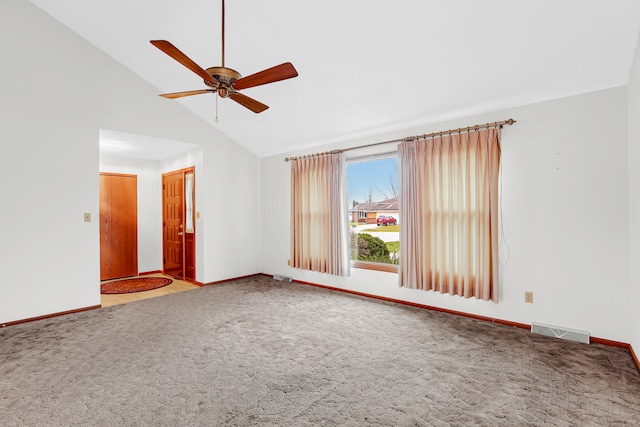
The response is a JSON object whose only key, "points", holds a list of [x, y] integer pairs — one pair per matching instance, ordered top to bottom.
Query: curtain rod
{"points": [[409, 138]]}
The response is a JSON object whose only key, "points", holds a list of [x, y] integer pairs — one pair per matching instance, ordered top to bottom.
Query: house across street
{"points": [[367, 212]]}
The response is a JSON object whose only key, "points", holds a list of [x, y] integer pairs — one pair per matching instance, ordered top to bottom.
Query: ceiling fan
{"points": [[226, 81]]}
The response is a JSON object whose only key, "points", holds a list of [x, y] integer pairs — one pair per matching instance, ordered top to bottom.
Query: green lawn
{"points": [[393, 246]]}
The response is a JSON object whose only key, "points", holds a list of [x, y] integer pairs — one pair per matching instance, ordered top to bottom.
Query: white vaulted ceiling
{"points": [[365, 66]]}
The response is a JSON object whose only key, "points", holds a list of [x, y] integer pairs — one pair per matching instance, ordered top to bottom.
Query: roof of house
{"points": [[384, 205]]}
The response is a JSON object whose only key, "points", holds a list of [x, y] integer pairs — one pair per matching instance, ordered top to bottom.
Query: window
{"points": [[188, 201], [373, 215]]}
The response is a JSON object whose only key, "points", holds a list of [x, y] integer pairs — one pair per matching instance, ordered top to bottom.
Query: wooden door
{"points": [[172, 221], [178, 222], [118, 226]]}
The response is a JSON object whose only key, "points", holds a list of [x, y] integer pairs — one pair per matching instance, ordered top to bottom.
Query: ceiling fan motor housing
{"points": [[225, 76]]}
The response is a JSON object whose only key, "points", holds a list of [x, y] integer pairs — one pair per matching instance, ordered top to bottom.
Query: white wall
{"points": [[57, 91], [49, 162], [634, 200], [565, 205], [232, 247]]}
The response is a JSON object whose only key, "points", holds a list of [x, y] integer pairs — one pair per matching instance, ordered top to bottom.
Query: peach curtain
{"points": [[448, 199], [318, 214]]}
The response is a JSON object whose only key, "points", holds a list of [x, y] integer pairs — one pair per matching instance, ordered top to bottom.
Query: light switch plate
{"points": [[87, 217]]}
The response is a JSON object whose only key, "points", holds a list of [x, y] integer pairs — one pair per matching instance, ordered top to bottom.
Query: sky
{"points": [[374, 175]]}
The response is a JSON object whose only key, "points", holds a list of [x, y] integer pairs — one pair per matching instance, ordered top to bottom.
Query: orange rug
{"points": [[137, 284]]}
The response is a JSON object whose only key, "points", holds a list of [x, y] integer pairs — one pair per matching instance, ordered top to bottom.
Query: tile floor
{"points": [[176, 286]]}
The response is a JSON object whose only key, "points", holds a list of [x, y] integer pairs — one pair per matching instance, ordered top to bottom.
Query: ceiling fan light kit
{"points": [[224, 81]]}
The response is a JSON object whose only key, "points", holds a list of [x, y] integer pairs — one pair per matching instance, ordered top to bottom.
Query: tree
{"points": [[392, 188], [368, 198]]}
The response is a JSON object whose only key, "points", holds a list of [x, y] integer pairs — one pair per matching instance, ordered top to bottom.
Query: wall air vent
{"points": [[282, 278], [560, 332]]}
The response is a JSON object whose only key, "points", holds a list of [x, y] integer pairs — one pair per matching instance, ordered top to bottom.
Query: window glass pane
{"points": [[188, 184], [373, 210]]}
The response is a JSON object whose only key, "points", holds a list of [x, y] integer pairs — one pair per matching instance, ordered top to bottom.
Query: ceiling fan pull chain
{"points": [[216, 108]]}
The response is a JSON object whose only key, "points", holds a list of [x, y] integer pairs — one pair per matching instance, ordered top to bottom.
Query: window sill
{"points": [[388, 268]]}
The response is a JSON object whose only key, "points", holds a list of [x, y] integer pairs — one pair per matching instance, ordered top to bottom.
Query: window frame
{"points": [[377, 266]]}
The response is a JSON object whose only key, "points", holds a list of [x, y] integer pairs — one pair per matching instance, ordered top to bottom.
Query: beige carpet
{"points": [[260, 352]]}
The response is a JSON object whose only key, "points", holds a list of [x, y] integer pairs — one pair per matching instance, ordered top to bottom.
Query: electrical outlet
{"points": [[87, 217], [528, 297]]}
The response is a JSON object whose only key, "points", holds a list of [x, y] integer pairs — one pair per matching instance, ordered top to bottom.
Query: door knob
{"points": [[179, 233]]}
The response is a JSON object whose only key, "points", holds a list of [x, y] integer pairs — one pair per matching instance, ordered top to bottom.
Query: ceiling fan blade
{"points": [[176, 54], [270, 75], [188, 93], [250, 103]]}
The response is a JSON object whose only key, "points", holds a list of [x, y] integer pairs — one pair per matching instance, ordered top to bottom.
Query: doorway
{"points": [[178, 224]]}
